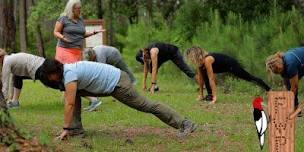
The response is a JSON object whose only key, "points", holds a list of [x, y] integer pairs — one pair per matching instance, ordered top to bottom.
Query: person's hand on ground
{"points": [[144, 87], [152, 88], [200, 97], [213, 99], [63, 135]]}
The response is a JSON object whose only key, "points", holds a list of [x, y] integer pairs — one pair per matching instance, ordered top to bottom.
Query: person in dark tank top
{"points": [[154, 55], [210, 63]]}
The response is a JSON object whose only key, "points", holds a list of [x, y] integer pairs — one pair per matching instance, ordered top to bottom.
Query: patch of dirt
{"points": [[229, 108], [164, 132], [9, 135]]}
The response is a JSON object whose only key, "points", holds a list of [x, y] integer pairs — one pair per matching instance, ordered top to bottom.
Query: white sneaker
{"points": [[93, 105]]}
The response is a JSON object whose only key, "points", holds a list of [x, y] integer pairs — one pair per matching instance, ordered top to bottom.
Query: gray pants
{"points": [[123, 66], [125, 93]]}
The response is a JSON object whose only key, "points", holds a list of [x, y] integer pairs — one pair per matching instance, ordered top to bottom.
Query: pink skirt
{"points": [[68, 55]]}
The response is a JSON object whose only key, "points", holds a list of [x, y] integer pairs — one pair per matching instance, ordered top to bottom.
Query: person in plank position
{"points": [[109, 55], [154, 55], [208, 64], [290, 65], [27, 66], [97, 79]]}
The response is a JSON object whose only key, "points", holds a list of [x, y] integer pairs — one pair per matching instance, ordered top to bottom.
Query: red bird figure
{"points": [[260, 119]]}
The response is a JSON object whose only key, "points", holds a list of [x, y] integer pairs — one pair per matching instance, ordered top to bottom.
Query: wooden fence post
{"points": [[281, 127]]}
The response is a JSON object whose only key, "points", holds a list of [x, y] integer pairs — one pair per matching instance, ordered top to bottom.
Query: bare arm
{"points": [[58, 30], [88, 34], [154, 56], [208, 64], [145, 75], [200, 81], [294, 83], [70, 96]]}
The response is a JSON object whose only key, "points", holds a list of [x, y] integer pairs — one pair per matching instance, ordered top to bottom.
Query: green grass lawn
{"points": [[226, 126]]}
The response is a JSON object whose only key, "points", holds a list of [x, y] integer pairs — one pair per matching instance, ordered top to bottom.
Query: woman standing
{"points": [[70, 32], [210, 63]]}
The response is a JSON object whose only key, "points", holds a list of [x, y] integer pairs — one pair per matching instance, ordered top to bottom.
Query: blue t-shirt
{"points": [[293, 63], [93, 77]]}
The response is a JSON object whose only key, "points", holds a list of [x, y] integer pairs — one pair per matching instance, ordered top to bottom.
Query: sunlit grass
{"points": [[225, 126]]}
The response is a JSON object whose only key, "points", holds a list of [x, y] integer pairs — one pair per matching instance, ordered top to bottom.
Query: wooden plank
{"points": [[281, 128]]}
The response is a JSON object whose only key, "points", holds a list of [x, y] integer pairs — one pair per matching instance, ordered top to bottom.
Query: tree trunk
{"points": [[99, 9], [150, 9], [7, 25], [22, 25], [111, 29], [37, 33], [39, 42], [9, 134]]}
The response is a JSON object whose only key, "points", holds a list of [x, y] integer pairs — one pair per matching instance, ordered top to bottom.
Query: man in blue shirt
{"points": [[290, 66], [97, 79]]}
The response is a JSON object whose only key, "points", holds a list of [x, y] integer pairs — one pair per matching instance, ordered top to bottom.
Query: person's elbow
{"points": [[55, 33], [69, 104]]}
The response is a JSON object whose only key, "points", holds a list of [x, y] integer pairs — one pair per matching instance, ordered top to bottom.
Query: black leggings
{"points": [[178, 60], [239, 72], [18, 81]]}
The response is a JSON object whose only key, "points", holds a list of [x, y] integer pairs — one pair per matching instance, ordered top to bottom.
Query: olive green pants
{"points": [[126, 93]]}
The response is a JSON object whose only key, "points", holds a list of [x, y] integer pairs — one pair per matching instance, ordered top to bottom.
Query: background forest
{"points": [[247, 30]]}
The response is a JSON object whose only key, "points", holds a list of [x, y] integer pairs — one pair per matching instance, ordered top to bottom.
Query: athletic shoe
{"points": [[156, 88], [208, 97], [12, 104], [93, 105], [187, 128]]}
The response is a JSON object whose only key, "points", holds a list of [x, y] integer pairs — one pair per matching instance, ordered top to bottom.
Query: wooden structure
{"points": [[98, 39], [281, 129]]}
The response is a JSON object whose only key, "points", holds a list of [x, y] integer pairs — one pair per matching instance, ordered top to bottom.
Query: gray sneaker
{"points": [[12, 104], [93, 105], [187, 128]]}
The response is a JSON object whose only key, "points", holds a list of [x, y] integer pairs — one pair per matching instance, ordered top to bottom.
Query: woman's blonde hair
{"points": [[68, 11], [195, 55], [273, 61]]}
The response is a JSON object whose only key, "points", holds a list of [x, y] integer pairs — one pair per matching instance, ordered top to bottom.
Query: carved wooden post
{"points": [[281, 127]]}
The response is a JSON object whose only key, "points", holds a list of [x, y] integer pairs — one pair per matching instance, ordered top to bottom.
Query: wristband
{"points": [[153, 82], [67, 128]]}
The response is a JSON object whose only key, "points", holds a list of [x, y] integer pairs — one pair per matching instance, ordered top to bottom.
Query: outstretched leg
{"points": [[181, 64], [239, 72], [125, 93]]}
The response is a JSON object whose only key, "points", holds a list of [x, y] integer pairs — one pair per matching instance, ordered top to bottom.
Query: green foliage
{"points": [[188, 19], [248, 41], [4, 117]]}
